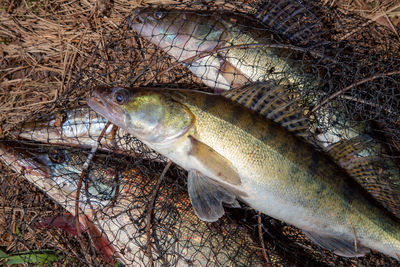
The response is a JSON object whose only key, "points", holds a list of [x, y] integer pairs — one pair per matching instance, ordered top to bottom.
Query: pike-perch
{"points": [[233, 153]]}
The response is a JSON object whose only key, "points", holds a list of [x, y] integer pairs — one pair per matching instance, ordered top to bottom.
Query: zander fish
{"points": [[186, 35], [223, 51], [278, 102], [82, 128], [233, 153], [119, 222]]}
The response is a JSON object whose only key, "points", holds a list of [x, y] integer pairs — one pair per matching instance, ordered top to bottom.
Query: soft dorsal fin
{"points": [[274, 101], [364, 159]]}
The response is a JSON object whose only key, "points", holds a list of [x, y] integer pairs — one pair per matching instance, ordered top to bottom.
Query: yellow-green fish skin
{"points": [[281, 175]]}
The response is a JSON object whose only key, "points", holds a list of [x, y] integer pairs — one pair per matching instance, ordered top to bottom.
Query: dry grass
{"points": [[384, 12], [42, 44]]}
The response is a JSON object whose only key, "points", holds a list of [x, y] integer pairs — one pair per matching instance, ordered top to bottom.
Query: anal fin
{"points": [[232, 75], [207, 197], [338, 246]]}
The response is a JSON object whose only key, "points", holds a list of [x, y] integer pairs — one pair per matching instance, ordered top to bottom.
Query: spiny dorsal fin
{"points": [[291, 19], [275, 101], [364, 159]]}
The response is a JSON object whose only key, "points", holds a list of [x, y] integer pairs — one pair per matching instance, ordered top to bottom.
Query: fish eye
{"points": [[158, 14], [120, 97], [62, 117], [56, 156]]}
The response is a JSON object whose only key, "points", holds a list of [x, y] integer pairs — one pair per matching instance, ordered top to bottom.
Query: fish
{"points": [[187, 35], [224, 51], [81, 127], [327, 130], [232, 153], [114, 211]]}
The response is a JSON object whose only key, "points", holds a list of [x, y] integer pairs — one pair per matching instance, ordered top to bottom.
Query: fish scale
{"points": [[232, 152]]}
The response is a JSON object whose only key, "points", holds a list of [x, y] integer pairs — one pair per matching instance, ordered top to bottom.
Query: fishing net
{"points": [[343, 70]]}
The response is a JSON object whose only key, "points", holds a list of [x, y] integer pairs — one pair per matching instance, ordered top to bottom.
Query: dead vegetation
{"points": [[43, 44]]}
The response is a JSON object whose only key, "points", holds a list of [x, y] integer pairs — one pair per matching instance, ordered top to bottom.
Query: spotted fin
{"points": [[291, 19], [276, 102], [366, 161], [214, 162], [207, 197], [338, 246]]}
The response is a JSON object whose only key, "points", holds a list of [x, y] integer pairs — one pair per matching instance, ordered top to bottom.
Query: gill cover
{"points": [[157, 116]]}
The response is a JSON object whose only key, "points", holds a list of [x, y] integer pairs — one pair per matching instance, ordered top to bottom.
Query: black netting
{"points": [[343, 71]]}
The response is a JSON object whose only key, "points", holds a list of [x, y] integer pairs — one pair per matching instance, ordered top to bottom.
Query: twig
{"points": [[10, 6], [391, 24], [326, 100], [365, 102], [82, 176], [150, 212], [260, 235], [355, 237]]}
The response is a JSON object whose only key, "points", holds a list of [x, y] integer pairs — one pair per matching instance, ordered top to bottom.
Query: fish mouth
{"points": [[140, 16], [135, 17], [98, 103], [101, 104], [42, 131], [20, 161]]}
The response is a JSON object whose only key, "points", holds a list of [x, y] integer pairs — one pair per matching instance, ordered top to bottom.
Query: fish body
{"points": [[224, 52], [231, 152], [121, 221]]}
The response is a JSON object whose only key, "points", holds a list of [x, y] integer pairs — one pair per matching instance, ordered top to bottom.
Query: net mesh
{"points": [[343, 69]]}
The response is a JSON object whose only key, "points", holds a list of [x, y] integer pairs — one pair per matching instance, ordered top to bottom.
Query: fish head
{"points": [[182, 34], [153, 116], [80, 126], [21, 161], [57, 172]]}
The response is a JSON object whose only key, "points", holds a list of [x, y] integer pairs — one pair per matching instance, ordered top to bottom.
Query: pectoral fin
{"points": [[214, 162], [207, 196], [338, 246]]}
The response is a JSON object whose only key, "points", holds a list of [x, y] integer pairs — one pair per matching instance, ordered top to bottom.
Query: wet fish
{"points": [[185, 35], [201, 41], [278, 102], [81, 127], [231, 152], [121, 221]]}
